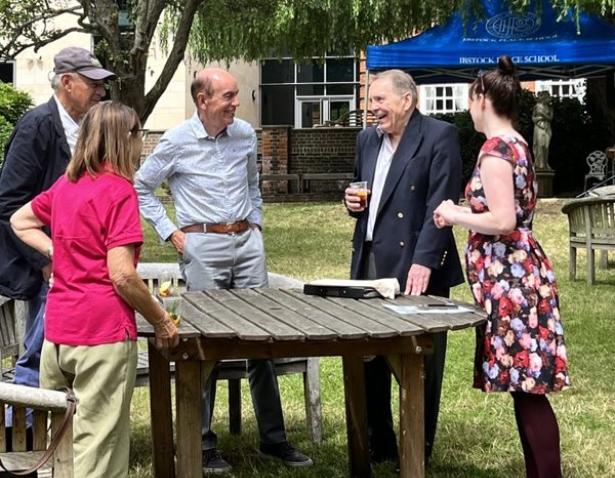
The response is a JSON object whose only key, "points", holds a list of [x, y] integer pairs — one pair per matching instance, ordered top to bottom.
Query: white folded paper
{"points": [[387, 288], [412, 309]]}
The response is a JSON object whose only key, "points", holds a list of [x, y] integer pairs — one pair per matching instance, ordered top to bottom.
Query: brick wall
{"points": [[285, 150]]}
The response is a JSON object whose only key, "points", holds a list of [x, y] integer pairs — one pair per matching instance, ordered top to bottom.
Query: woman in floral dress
{"points": [[521, 348]]}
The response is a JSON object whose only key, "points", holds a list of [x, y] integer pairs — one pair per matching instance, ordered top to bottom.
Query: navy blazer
{"points": [[35, 157], [425, 170]]}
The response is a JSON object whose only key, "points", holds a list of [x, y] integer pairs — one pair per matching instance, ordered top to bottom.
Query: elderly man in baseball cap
{"points": [[78, 83], [36, 156]]}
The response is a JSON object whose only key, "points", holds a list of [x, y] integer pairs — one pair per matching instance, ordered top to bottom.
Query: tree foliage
{"points": [[227, 30]]}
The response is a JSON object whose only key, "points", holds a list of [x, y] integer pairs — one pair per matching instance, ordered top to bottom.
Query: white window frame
{"points": [[576, 88], [326, 97], [428, 97], [325, 107]]}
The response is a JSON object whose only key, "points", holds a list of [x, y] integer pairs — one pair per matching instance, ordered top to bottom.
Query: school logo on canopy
{"points": [[508, 26]]}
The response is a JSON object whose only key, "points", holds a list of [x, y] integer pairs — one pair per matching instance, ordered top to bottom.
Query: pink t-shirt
{"points": [[87, 219]]}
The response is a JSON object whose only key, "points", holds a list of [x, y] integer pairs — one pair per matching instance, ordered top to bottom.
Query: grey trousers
{"points": [[234, 261], [383, 442]]}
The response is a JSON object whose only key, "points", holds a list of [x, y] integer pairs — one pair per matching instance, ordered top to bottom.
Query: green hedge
{"points": [[13, 104], [5, 133], [575, 135]]}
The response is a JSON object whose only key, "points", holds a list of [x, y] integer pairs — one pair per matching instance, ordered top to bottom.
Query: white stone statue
{"points": [[542, 116]]}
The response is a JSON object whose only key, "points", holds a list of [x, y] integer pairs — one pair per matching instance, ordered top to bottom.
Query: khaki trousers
{"points": [[103, 379]]}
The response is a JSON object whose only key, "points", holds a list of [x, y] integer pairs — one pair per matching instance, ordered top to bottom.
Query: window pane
{"points": [[340, 70], [275, 71], [311, 73], [6, 74], [564, 88], [340, 89], [310, 90], [443, 98], [277, 105], [337, 109], [310, 114]]}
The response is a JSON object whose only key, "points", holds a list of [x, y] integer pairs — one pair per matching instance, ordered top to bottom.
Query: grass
{"points": [[477, 436]]}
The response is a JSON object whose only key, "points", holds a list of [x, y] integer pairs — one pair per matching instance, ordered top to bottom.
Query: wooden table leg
{"points": [[189, 377], [161, 413], [356, 417], [412, 417]]}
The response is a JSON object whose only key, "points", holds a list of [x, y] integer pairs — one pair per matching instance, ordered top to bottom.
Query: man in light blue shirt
{"points": [[209, 162]]}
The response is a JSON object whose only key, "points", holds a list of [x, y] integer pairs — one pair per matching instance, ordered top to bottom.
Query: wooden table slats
{"points": [[293, 302], [244, 307], [216, 309], [380, 315], [455, 320], [365, 323], [432, 323], [311, 329], [147, 330]]}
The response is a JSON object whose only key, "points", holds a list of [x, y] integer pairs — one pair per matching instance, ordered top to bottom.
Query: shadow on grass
{"points": [[455, 456]]}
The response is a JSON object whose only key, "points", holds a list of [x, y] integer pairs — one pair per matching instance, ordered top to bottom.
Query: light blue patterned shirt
{"points": [[212, 180]]}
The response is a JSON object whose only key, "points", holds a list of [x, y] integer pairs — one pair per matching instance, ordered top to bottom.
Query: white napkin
{"points": [[387, 288]]}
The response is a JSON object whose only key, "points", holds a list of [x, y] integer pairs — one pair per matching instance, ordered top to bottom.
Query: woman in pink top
{"points": [[90, 327]]}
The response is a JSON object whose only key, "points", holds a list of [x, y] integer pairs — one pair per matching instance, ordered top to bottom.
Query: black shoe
{"points": [[286, 453], [382, 456], [214, 463]]}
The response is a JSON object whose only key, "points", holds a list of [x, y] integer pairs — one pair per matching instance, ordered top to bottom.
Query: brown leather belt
{"points": [[226, 228]]}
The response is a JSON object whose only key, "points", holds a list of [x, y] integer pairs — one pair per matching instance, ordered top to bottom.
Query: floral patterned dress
{"points": [[521, 348]]}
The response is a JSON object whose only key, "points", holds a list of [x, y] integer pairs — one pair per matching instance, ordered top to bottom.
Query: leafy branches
{"points": [[226, 30]]}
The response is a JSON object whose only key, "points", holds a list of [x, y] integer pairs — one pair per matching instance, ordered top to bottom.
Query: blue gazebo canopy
{"points": [[542, 46]]}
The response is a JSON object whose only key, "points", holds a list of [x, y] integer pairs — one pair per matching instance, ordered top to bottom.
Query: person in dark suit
{"points": [[411, 163]]}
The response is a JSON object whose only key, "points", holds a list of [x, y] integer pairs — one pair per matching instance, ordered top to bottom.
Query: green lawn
{"points": [[477, 437]]}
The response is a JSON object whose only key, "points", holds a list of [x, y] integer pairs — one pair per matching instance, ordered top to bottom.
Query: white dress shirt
{"points": [[71, 127], [383, 163]]}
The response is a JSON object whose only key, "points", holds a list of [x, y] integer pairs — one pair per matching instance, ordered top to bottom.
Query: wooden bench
{"points": [[276, 178], [307, 178], [591, 224], [13, 316], [235, 370], [49, 406]]}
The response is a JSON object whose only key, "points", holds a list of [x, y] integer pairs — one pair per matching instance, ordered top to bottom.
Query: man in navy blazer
{"points": [[411, 163]]}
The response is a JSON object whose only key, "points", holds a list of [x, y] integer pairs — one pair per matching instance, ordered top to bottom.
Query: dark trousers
{"points": [[383, 442]]}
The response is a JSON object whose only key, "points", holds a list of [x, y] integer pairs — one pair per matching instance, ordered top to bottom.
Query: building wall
{"points": [[285, 150], [322, 150]]}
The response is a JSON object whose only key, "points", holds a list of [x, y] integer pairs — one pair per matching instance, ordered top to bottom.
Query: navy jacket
{"points": [[35, 157], [425, 170]]}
